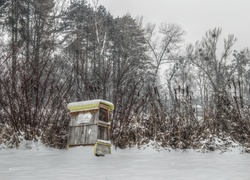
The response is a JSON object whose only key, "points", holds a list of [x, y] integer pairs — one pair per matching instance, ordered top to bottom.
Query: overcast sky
{"points": [[195, 16]]}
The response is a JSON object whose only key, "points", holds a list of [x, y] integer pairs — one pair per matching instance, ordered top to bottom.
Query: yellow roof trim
{"points": [[88, 105]]}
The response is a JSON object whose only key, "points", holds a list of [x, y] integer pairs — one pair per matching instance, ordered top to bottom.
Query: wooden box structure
{"points": [[90, 125]]}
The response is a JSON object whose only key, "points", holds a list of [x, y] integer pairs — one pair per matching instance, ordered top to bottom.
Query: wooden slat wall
{"points": [[74, 117], [85, 133], [79, 135]]}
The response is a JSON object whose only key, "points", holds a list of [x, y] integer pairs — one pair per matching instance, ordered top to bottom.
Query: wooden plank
{"points": [[84, 111], [76, 119], [103, 123], [103, 133], [90, 134], [76, 135], [82, 135], [101, 148]]}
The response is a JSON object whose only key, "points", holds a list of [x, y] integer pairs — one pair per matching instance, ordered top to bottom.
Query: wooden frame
{"points": [[90, 125]]}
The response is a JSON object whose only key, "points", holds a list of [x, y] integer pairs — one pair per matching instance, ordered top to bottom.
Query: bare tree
{"points": [[164, 50], [219, 72], [32, 102]]}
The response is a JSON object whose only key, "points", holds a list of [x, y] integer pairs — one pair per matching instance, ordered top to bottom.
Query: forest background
{"points": [[53, 52]]}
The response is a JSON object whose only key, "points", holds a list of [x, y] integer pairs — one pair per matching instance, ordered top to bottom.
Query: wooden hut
{"points": [[90, 125]]}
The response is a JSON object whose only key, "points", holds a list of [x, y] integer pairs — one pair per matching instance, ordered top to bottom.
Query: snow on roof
{"points": [[87, 105]]}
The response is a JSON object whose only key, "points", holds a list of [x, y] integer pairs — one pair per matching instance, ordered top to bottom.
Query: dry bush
{"points": [[225, 126]]}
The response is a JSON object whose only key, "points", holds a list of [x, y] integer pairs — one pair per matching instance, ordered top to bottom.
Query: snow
{"points": [[90, 102], [84, 118], [79, 163]]}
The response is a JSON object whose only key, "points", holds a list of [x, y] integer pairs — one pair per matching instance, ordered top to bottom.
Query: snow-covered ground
{"points": [[40, 163]]}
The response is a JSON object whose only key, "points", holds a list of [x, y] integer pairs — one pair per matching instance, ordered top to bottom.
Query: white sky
{"points": [[195, 16]]}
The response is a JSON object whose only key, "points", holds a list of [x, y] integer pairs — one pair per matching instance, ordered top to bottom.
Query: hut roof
{"points": [[88, 105]]}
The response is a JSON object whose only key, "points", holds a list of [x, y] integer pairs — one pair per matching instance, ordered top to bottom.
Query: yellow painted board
{"points": [[87, 105], [101, 148]]}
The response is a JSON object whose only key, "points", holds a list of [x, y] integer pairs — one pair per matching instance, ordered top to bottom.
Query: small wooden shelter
{"points": [[90, 125]]}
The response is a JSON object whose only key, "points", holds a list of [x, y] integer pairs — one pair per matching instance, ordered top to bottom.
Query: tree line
{"points": [[53, 52]]}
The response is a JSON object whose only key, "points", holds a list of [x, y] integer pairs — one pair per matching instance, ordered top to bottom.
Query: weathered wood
{"points": [[84, 111], [76, 119], [89, 125], [103, 133], [86, 134], [91, 134], [76, 135], [102, 148]]}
